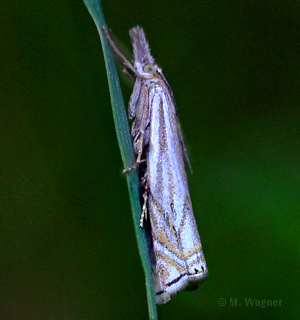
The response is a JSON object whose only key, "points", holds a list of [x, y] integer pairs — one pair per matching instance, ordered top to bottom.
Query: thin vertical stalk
{"points": [[125, 144]]}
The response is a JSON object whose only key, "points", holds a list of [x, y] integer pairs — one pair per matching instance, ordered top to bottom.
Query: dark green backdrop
{"points": [[67, 243]]}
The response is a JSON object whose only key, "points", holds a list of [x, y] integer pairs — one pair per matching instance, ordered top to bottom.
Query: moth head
{"points": [[149, 71]]}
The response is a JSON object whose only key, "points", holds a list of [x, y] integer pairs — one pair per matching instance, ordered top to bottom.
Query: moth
{"points": [[176, 253]]}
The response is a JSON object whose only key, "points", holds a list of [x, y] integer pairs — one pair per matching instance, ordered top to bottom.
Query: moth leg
{"points": [[117, 51], [125, 70], [138, 142], [140, 152], [144, 181], [144, 208]]}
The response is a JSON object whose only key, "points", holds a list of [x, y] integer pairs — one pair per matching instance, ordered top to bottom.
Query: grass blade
{"points": [[125, 144]]}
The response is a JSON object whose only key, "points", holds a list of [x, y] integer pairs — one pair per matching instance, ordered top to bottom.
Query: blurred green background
{"points": [[67, 243]]}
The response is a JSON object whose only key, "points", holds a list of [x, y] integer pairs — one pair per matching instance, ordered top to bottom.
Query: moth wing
{"points": [[134, 99], [180, 133], [183, 145]]}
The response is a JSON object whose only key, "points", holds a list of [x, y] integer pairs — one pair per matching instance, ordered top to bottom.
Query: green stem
{"points": [[125, 144]]}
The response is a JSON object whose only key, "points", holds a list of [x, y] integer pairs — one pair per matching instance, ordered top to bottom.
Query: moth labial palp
{"points": [[175, 247]]}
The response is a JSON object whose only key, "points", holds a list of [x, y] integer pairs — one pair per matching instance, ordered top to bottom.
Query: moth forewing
{"points": [[134, 98], [176, 242], [175, 247]]}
